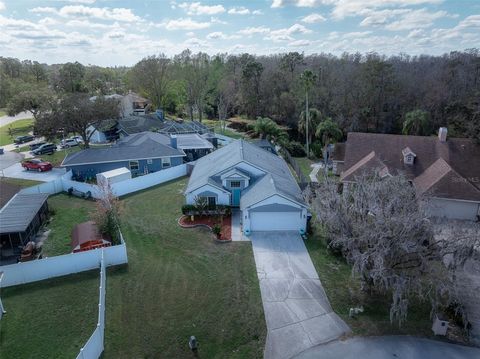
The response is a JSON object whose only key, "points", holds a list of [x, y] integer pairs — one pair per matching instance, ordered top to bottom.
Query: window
{"points": [[149, 161], [166, 162], [133, 165], [235, 184], [212, 201]]}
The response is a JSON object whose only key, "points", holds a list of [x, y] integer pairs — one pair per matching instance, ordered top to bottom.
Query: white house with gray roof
{"points": [[256, 181]]}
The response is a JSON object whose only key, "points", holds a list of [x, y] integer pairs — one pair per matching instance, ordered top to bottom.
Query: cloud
{"points": [[88, 2], [299, 3], [2, 5], [197, 8], [241, 10], [81, 11], [257, 12], [381, 17], [313, 18], [416, 19], [185, 24], [249, 31], [286, 33], [218, 35], [194, 42], [299, 43]]}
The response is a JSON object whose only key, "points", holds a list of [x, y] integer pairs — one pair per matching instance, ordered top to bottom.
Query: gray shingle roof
{"points": [[139, 146], [277, 180], [20, 211]]}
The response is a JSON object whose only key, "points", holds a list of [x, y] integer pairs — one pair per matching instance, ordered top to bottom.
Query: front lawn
{"points": [[14, 129], [305, 165], [20, 182], [178, 283], [344, 292], [49, 319]]}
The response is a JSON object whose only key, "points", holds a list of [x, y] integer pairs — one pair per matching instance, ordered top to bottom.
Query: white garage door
{"points": [[276, 221]]}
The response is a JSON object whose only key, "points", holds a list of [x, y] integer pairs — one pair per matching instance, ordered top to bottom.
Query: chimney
{"points": [[442, 134], [173, 141]]}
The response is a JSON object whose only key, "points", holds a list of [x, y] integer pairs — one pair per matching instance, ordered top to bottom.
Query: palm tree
{"points": [[308, 78], [314, 119], [416, 123], [265, 127], [328, 131]]}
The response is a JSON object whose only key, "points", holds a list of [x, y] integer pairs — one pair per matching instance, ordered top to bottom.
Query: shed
{"points": [[114, 176], [20, 220], [86, 236]]}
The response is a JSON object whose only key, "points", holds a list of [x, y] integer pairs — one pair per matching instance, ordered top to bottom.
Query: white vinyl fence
{"points": [[122, 188], [40, 269], [93, 348]]}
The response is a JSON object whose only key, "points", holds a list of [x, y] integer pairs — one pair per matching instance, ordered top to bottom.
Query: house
{"points": [[130, 104], [155, 122], [103, 132], [266, 145], [142, 154], [445, 172], [256, 181], [20, 220]]}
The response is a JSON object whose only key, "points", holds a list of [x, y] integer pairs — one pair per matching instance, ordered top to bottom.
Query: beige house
{"points": [[445, 172]]}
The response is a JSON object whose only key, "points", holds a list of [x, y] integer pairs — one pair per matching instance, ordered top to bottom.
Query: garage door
{"points": [[276, 221]]}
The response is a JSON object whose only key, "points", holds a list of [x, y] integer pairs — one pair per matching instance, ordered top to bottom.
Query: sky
{"points": [[121, 32]]}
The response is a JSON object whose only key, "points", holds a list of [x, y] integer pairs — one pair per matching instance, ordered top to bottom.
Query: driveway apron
{"points": [[297, 310]]}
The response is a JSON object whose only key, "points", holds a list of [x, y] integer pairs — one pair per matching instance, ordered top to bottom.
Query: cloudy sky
{"points": [[118, 32]]}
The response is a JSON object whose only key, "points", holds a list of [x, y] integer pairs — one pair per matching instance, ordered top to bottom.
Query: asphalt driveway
{"points": [[17, 171], [297, 310], [398, 347]]}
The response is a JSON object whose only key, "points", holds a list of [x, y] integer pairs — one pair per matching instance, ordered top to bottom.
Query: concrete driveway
{"points": [[5, 120], [9, 158], [17, 171], [297, 310], [399, 347]]}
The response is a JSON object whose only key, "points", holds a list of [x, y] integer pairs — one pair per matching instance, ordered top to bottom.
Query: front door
{"points": [[236, 197]]}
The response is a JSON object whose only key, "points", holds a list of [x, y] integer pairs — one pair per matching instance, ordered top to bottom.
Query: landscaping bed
{"points": [[210, 222]]}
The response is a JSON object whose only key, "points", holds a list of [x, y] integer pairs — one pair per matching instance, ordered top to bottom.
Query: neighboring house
{"points": [[130, 104], [155, 122], [104, 132], [266, 145], [142, 154], [338, 158], [446, 172], [260, 183]]}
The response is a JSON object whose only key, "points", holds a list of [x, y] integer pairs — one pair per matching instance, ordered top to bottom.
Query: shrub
{"points": [[296, 149], [317, 149], [188, 208], [217, 229]]}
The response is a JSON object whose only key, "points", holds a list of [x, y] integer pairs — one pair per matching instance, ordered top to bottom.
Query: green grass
{"points": [[3, 112], [17, 128], [227, 132], [304, 164], [20, 182], [68, 211], [178, 283], [344, 292], [49, 319]]}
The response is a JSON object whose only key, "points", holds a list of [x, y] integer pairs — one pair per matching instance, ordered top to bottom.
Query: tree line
{"points": [[355, 92]]}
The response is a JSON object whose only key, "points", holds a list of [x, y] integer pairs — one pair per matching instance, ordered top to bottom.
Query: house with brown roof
{"points": [[445, 172]]}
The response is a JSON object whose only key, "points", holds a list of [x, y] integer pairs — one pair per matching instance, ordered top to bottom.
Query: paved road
{"points": [[5, 120], [9, 158], [17, 171], [297, 310], [395, 347]]}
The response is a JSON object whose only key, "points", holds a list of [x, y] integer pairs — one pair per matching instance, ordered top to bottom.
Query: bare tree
{"points": [[386, 235]]}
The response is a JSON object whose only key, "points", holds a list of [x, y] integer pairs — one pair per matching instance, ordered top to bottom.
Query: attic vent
{"points": [[408, 156]]}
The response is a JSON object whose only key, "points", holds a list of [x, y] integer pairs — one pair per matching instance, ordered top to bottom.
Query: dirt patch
{"points": [[7, 191], [210, 222]]}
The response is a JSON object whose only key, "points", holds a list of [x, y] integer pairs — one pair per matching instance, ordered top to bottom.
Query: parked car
{"points": [[22, 139], [79, 139], [69, 142], [34, 146], [45, 148], [37, 165]]}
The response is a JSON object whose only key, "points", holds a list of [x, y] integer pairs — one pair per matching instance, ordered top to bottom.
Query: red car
{"points": [[37, 165]]}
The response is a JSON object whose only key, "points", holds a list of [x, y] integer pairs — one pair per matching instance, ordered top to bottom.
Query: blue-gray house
{"points": [[142, 153]]}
